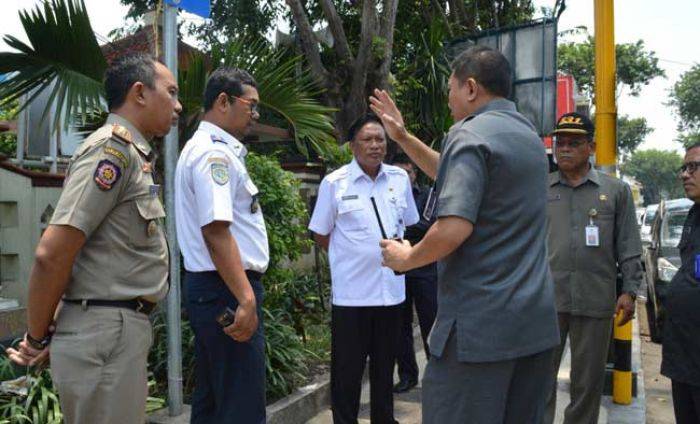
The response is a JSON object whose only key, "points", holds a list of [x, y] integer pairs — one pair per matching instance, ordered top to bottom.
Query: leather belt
{"points": [[138, 305]]}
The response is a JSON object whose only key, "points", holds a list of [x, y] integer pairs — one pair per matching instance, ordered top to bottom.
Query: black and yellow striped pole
{"points": [[622, 371]]}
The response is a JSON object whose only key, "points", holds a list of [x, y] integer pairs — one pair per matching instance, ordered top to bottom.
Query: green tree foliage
{"points": [[229, 19], [63, 51], [636, 66], [685, 98], [631, 132], [689, 138], [8, 140], [657, 171]]}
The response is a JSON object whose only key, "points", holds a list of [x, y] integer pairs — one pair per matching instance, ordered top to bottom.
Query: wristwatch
{"points": [[38, 344]]}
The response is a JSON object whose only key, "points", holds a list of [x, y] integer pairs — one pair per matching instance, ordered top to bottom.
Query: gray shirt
{"points": [[585, 276], [495, 289]]}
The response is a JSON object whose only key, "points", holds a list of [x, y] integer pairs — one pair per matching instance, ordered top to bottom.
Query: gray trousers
{"points": [[590, 340], [98, 364], [511, 392]]}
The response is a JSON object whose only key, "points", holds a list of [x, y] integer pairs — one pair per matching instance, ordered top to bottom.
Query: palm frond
{"points": [[62, 55], [286, 88]]}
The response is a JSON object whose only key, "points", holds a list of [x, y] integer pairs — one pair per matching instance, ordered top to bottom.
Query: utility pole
{"points": [[605, 84], [173, 302]]}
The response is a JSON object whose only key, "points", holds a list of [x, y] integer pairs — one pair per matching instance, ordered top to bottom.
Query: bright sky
{"points": [[667, 30]]}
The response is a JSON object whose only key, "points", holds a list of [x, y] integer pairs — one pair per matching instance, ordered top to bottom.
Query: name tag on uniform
{"points": [[154, 190], [350, 197], [592, 236]]}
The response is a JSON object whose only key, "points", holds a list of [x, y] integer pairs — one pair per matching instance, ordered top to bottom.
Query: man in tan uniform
{"points": [[106, 255]]}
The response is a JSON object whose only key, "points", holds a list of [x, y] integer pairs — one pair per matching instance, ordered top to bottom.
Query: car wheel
{"points": [[652, 320]]}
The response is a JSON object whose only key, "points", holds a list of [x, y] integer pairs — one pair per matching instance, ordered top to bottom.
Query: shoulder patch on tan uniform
{"points": [[121, 133], [116, 153]]}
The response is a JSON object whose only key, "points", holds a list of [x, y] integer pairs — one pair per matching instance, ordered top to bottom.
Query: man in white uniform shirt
{"points": [[221, 232], [366, 297]]}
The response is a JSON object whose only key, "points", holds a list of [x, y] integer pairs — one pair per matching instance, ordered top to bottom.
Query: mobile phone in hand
{"points": [[227, 317]]}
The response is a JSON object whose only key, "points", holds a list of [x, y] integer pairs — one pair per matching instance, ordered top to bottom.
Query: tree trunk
{"points": [[348, 85]]}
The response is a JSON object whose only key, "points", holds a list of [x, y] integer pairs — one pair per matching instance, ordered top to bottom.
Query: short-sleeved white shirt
{"points": [[212, 184], [344, 210]]}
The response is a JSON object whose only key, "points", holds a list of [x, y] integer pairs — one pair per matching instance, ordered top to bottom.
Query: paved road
{"points": [[658, 388], [407, 405]]}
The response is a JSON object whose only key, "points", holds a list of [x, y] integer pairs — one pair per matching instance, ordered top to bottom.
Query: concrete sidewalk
{"points": [[407, 409]]}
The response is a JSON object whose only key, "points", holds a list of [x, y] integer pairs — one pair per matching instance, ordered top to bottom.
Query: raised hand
{"points": [[385, 108]]}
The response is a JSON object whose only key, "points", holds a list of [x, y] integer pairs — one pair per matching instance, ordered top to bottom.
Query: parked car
{"points": [[647, 220], [662, 259]]}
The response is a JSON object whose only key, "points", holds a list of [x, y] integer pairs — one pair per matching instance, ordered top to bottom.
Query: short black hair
{"points": [[487, 66], [126, 71], [226, 79], [361, 122], [692, 146]]}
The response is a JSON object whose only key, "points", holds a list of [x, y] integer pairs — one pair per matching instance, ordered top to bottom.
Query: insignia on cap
{"points": [[570, 120], [122, 133], [219, 173], [107, 174]]}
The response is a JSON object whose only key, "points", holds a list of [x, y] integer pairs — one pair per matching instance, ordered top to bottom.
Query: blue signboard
{"points": [[198, 7]]}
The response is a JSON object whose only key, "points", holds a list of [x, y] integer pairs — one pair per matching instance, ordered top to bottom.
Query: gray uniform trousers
{"points": [[590, 340], [98, 364], [501, 392]]}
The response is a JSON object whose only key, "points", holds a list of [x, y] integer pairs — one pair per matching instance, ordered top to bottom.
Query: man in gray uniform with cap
{"points": [[591, 233], [492, 343]]}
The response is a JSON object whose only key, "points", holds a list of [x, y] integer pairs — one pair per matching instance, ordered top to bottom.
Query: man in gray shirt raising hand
{"points": [[492, 343]]}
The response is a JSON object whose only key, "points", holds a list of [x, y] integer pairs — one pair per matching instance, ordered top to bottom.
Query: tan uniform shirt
{"points": [[110, 195], [585, 277]]}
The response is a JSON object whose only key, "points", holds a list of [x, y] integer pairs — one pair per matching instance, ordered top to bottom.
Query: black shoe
{"points": [[404, 386]]}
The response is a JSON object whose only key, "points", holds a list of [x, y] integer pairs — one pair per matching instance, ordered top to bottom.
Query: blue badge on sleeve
{"points": [[219, 173], [107, 174]]}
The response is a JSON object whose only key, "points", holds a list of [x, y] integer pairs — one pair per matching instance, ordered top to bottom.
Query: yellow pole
{"points": [[605, 109], [622, 372]]}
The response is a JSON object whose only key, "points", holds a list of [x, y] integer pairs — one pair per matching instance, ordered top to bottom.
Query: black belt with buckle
{"points": [[138, 305]]}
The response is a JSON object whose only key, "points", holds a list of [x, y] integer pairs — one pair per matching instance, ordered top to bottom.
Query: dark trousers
{"points": [[421, 291], [358, 333], [230, 376], [502, 392], [686, 402]]}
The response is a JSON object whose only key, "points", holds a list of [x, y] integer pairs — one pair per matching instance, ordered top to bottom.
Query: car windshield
{"points": [[649, 217], [672, 228]]}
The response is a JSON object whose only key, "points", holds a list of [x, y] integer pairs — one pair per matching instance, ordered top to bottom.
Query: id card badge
{"points": [[429, 210], [592, 236], [697, 267]]}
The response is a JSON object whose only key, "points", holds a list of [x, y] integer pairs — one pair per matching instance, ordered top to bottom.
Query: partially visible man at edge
{"points": [[105, 254], [496, 327], [681, 331]]}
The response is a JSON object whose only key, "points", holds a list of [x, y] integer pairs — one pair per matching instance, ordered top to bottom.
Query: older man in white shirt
{"points": [[358, 205]]}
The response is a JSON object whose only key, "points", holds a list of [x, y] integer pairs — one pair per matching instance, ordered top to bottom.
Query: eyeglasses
{"points": [[253, 105], [689, 167]]}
